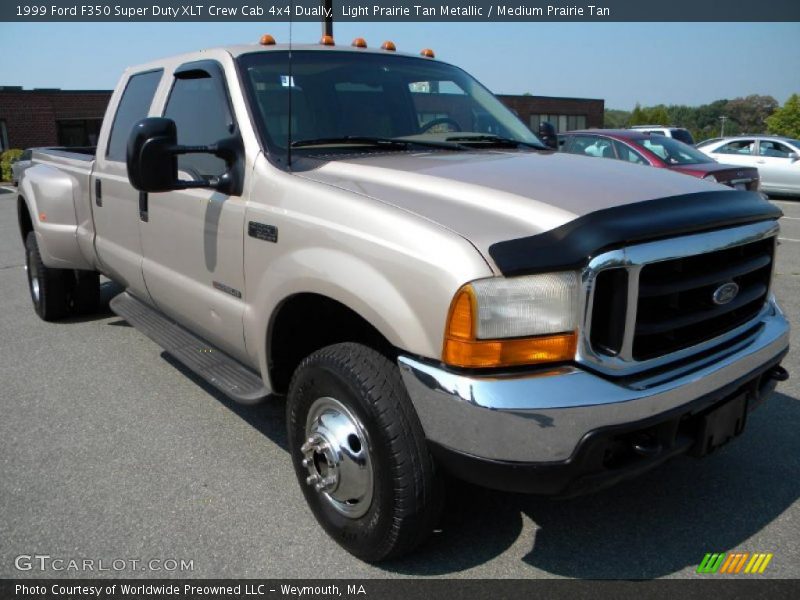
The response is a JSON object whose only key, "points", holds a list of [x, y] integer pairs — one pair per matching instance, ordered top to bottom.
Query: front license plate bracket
{"points": [[720, 425]]}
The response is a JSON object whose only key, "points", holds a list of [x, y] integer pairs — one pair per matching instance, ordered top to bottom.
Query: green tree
{"points": [[751, 112], [657, 115], [638, 116], [616, 119], [786, 120]]}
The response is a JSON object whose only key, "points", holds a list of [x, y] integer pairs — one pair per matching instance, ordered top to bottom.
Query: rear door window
{"points": [[134, 106], [745, 147]]}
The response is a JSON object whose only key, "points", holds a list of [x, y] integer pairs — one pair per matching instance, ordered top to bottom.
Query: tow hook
{"points": [[778, 373], [646, 445]]}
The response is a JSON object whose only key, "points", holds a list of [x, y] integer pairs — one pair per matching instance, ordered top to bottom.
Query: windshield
{"points": [[343, 98], [673, 152]]}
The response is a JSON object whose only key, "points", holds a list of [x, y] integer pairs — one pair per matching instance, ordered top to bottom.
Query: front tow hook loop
{"points": [[778, 373]]}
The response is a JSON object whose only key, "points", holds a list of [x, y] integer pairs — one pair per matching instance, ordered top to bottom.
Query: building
{"points": [[565, 114], [50, 117], [53, 117]]}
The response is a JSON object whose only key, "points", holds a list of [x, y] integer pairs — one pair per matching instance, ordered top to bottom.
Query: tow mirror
{"points": [[547, 133], [794, 157], [152, 159]]}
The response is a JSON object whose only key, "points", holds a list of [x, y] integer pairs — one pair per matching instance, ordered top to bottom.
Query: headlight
{"points": [[502, 322]]}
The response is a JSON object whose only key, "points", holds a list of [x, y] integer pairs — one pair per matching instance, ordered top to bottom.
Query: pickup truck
{"points": [[373, 237]]}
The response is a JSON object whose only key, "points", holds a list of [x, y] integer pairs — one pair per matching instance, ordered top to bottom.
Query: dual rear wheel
{"points": [[57, 293]]}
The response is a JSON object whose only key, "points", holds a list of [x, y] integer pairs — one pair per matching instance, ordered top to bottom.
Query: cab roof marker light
{"points": [[267, 40], [327, 40], [359, 42], [389, 46], [427, 53]]}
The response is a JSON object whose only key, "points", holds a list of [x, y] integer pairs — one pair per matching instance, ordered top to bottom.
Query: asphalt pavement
{"points": [[109, 450]]}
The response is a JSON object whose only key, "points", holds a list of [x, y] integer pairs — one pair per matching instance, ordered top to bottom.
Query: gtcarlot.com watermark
{"points": [[47, 563]]}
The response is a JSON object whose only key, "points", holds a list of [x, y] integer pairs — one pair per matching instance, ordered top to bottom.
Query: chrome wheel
{"points": [[336, 455]]}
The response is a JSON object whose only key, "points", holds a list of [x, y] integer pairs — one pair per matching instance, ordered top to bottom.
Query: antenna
{"points": [[289, 86]]}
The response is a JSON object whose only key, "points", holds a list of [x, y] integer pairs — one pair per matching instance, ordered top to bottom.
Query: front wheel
{"points": [[360, 454]]}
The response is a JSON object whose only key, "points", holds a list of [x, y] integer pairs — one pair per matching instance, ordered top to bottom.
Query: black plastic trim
{"points": [[573, 244]]}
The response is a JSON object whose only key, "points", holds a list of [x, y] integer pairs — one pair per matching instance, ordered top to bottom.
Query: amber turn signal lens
{"points": [[267, 40], [327, 40], [359, 43], [388, 45], [427, 53], [509, 353]]}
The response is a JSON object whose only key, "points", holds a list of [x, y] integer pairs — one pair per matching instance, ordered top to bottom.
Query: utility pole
{"points": [[327, 21], [722, 119]]}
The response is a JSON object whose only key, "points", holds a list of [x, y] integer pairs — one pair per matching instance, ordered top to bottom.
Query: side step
{"points": [[219, 369]]}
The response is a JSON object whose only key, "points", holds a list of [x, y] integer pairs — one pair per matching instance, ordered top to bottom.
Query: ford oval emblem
{"points": [[725, 293]]}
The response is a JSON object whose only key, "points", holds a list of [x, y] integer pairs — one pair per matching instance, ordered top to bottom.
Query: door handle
{"points": [[761, 161], [98, 192]]}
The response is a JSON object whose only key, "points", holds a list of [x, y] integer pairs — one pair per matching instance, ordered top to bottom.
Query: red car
{"points": [[656, 151]]}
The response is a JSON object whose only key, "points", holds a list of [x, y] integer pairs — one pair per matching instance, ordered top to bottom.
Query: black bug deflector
{"points": [[571, 245]]}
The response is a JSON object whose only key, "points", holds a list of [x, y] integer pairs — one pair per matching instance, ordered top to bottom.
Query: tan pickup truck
{"points": [[377, 238]]}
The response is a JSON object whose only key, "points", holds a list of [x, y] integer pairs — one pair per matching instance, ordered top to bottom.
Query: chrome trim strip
{"points": [[634, 258], [541, 416]]}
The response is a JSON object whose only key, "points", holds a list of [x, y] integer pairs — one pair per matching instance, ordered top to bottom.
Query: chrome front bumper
{"points": [[543, 415]]}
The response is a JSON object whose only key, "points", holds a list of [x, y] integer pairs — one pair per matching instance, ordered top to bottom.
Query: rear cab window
{"points": [[133, 106]]}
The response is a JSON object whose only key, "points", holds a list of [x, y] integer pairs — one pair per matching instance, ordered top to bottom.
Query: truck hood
{"points": [[489, 196]]}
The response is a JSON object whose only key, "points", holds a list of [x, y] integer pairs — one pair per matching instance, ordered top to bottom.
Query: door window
{"points": [[133, 106], [200, 109], [590, 145], [745, 147], [773, 149], [628, 155]]}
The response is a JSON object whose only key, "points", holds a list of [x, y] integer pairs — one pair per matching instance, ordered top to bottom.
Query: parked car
{"points": [[679, 133], [656, 151], [777, 159], [19, 166], [426, 284]]}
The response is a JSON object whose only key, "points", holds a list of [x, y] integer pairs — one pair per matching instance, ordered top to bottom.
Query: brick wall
{"points": [[30, 115]]}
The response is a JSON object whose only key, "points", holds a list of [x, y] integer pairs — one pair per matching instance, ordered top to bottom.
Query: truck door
{"points": [[115, 207], [193, 240]]}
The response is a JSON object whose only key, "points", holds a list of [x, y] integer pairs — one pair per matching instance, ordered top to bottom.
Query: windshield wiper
{"points": [[495, 140], [378, 142]]}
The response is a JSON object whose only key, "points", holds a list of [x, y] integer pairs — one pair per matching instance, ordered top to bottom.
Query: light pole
{"points": [[722, 119]]}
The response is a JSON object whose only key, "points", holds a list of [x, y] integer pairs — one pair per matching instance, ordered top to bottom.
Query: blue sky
{"points": [[623, 63]]}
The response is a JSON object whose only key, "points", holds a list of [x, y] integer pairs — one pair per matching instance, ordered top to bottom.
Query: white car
{"points": [[679, 133], [776, 158]]}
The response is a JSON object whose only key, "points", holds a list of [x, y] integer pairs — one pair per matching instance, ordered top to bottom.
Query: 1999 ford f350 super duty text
{"points": [[375, 236]]}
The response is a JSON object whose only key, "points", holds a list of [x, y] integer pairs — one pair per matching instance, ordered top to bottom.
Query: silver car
{"points": [[776, 158], [19, 166]]}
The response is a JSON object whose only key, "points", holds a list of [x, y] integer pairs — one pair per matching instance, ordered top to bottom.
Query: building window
{"points": [[560, 122], [78, 132], [3, 136]]}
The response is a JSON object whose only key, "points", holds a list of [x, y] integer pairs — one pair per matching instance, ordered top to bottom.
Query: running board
{"points": [[211, 364]]}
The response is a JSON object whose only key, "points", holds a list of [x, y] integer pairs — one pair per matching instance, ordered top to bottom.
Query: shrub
{"points": [[6, 159]]}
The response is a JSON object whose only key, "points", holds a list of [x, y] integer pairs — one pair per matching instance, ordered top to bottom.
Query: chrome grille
{"points": [[652, 303]]}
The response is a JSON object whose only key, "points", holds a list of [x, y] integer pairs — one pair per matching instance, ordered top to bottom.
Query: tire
{"points": [[48, 287], [85, 293], [345, 390]]}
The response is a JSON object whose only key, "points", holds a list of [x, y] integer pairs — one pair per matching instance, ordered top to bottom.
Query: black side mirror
{"points": [[547, 133], [152, 159], [152, 162]]}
